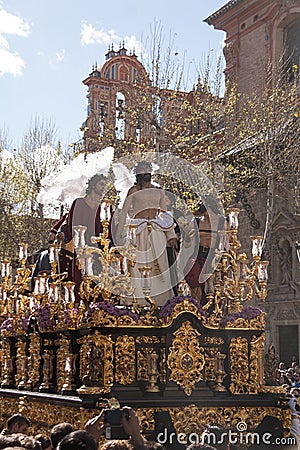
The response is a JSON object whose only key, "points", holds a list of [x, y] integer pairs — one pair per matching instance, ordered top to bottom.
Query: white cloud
{"points": [[10, 24], [90, 35], [60, 55], [53, 60], [11, 62]]}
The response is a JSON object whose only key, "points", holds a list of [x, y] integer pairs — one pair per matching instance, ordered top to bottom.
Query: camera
{"points": [[113, 421]]}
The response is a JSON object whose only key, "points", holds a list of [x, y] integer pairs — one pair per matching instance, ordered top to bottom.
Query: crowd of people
{"points": [[289, 377], [101, 434], [63, 436]]}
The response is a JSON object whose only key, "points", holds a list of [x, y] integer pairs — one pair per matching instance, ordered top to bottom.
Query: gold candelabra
{"points": [[233, 282]]}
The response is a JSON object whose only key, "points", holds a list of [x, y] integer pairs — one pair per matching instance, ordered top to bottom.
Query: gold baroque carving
{"points": [[181, 308], [258, 323], [147, 340], [213, 340], [105, 344], [210, 354], [62, 355], [186, 359], [34, 360], [125, 360], [257, 363], [142, 364], [21, 365], [239, 365], [162, 366], [191, 419]]}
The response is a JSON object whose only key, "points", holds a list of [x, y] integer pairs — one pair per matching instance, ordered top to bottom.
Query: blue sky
{"points": [[47, 47]]}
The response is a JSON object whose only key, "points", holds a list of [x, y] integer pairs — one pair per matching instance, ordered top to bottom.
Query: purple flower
{"points": [[111, 309], [247, 313], [43, 317], [25, 323], [7, 325]]}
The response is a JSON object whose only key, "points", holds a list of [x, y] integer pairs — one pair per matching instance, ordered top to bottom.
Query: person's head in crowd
{"points": [[143, 172], [97, 184], [170, 200], [294, 359], [281, 366], [296, 377], [295, 392], [17, 424], [270, 424], [59, 431], [217, 436], [19, 440], [78, 440], [45, 441], [29, 443], [116, 445], [152, 445], [200, 447], [14, 448]]}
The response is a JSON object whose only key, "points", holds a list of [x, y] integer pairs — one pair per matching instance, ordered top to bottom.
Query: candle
{"points": [[256, 246]]}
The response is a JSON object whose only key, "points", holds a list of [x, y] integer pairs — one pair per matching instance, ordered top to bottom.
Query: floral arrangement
{"points": [[168, 308], [111, 309], [247, 313], [44, 317], [71, 317], [25, 323], [8, 325]]}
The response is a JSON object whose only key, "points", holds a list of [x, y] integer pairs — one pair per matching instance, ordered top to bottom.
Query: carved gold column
{"points": [[34, 361], [7, 365], [21, 365]]}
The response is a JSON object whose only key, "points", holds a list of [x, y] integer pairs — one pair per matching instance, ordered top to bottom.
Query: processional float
{"points": [[61, 358]]}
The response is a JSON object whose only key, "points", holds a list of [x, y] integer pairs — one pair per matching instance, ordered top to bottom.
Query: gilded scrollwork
{"points": [[183, 307], [258, 323], [147, 340], [213, 340], [210, 354], [61, 356], [185, 359], [125, 360], [34, 361], [257, 362], [96, 363], [142, 363], [21, 364], [239, 365], [162, 366], [7, 378], [191, 419]]}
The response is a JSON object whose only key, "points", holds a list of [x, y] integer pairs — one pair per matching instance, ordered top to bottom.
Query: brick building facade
{"points": [[261, 35]]}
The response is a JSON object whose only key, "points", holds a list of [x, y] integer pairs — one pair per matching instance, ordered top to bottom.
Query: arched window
{"points": [[292, 46], [123, 74], [120, 116]]}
